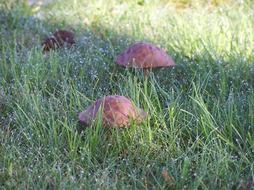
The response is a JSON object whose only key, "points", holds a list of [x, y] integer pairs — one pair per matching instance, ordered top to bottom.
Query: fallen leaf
{"points": [[167, 177]]}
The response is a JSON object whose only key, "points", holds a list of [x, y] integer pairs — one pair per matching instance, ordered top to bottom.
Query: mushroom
{"points": [[58, 39], [144, 55], [116, 111]]}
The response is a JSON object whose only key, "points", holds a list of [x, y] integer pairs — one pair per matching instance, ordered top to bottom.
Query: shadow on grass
{"points": [[70, 79]]}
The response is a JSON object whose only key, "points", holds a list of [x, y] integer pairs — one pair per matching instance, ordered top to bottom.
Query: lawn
{"points": [[200, 130]]}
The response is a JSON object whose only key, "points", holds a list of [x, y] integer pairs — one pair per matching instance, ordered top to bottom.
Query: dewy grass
{"points": [[201, 113]]}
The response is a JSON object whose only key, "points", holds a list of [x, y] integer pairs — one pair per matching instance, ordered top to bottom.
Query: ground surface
{"points": [[200, 131]]}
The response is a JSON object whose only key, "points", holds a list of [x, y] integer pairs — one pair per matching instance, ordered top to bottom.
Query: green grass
{"points": [[201, 113]]}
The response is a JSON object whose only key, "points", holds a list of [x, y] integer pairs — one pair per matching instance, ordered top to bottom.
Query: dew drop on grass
{"points": [[109, 145], [72, 178]]}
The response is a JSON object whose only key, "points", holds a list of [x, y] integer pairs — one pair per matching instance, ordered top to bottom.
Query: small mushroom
{"points": [[58, 39], [144, 55], [116, 111]]}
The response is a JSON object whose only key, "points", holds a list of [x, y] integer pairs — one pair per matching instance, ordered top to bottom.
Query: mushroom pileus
{"points": [[58, 39], [144, 56], [116, 111]]}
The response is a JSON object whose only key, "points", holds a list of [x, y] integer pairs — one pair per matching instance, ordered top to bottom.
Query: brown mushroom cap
{"points": [[58, 39], [144, 55], [116, 111]]}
